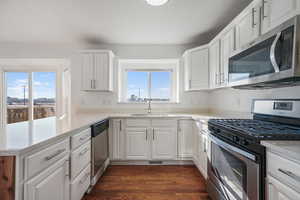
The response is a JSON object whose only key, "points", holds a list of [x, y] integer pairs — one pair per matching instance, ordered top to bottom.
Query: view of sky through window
{"points": [[139, 90], [17, 94]]}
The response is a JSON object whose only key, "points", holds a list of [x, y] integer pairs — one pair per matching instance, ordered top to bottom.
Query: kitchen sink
{"points": [[149, 115]]}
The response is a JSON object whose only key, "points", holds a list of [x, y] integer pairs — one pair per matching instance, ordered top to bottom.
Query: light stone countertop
{"points": [[19, 138], [288, 149]]}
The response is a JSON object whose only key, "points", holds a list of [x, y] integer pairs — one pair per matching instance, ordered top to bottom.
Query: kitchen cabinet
{"points": [[275, 12], [248, 25], [227, 48], [196, 62], [214, 63], [97, 70], [185, 138], [116, 139], [137, 144], [163, 144], [200, 152], [53, 183], [279, 191]]}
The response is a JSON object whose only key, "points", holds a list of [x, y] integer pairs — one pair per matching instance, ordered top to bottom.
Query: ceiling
{"points": [[114, 21]]}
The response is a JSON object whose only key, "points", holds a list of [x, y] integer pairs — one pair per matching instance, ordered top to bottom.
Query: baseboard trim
{"points": [[146, 162]]}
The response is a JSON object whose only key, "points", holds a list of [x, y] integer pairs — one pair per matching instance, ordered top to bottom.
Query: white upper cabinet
{"points": [[275, 12], [248, 25], [227, 48], [214, 64], [196, 69], [97, 70]]}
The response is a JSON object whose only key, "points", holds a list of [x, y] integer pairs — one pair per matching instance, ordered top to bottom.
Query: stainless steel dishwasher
{"points": [[99, 149]]}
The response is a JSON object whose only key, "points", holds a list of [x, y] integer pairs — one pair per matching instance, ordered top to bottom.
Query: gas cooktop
{"points": [[262, 130]]}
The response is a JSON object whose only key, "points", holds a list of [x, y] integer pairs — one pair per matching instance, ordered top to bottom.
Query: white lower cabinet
{"points": [[185, 138], [164, 144], [137, 145], [53, 183], [81, 184], [279, 191]]}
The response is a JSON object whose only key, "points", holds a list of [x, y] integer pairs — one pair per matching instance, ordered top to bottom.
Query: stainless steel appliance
{"points": [[271, 61], [99, 149], [236, 164]]}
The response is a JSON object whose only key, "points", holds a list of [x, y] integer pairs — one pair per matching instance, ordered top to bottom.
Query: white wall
{"points": [[234, 100], [97, 101]]}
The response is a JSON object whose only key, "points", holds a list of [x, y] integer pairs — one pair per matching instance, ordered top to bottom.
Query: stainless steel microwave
{"points": [[271, 61]]}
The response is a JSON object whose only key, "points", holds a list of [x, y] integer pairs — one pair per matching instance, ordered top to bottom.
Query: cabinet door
{"points": [[275, 12], [247, 27], [227, 46], [214, 64], [102, 66], [197, 69], [87, 71], [185, 138], [116, 140], [137, 144], [164, 144], [52, 183], [279, 191]]}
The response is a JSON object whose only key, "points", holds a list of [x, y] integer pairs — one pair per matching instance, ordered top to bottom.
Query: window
{"points": [[141, 80], [30, 96]]}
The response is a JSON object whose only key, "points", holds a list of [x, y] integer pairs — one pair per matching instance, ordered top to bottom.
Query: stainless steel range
{"points": [[236, 164]]}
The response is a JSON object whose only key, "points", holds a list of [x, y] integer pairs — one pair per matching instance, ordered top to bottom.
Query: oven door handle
{"points": [[272, 53], [232, 148]]}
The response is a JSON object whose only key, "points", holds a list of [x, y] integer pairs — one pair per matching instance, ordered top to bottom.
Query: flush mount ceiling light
{"points": [[156, 2]]}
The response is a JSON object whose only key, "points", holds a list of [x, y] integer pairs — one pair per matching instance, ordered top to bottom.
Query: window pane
{"points": [[137, 86], [161, 86], [43, 92], [17, 96]]}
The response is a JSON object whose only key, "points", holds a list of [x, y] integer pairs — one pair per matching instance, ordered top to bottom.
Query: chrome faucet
{"points": [[149, 106]]}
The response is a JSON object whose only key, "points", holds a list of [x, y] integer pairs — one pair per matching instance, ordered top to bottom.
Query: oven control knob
{"points": [[236, 138], [244, 142]]}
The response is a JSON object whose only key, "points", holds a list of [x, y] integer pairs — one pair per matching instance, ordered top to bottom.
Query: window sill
{"points": [[146, 103]]}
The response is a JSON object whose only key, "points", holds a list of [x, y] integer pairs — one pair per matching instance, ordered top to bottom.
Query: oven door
{"points": [[233, 174]]}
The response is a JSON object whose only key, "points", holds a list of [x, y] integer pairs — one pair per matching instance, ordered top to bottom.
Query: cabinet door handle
{"points": [[264, 16], [253, 17], [92, 84], [190, 84], [120, 125], [146, 134], [153, 134], [84, 152], [47, 158], [67, 168], [290, 174]]}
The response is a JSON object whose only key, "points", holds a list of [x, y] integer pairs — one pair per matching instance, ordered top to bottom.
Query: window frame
{"points": [[148, 65], [59, 66]]}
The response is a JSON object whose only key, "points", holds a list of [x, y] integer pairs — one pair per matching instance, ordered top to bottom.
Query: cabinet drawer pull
{"points": [[264, 9], [253, 17], [84, 138], [84, 152], [47, 158], [290, 174], [85, 178]]}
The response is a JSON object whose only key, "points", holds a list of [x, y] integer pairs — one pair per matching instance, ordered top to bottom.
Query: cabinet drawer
{"points": [[138, 122], [164, 123], [80, 138], [80, 159], [41, 160], [285, 170], [81, 184]]}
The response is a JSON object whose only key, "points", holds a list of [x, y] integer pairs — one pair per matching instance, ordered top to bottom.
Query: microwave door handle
{"points": [[272, 54]]}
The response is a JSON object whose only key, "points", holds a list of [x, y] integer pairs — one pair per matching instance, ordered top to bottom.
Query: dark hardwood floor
{"points": [[150, 183]]}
